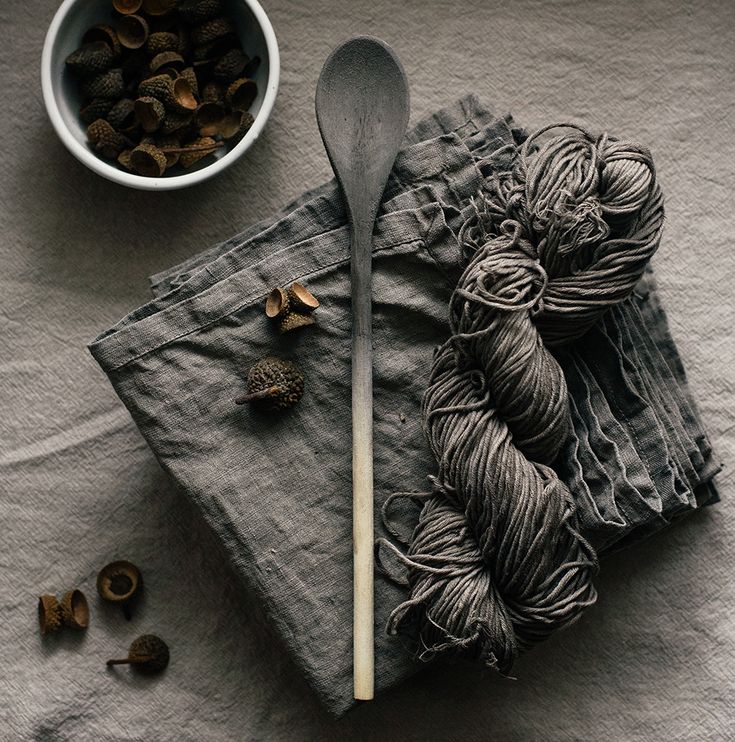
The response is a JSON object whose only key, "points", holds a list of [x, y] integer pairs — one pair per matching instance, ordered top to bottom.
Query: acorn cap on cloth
{"points": [[301, 298], [293, 321], [273, 384], [119, 582], [75, 610], [49, 614]]}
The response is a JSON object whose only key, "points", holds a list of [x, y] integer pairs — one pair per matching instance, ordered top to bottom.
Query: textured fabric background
{"points": [[654, 659]]}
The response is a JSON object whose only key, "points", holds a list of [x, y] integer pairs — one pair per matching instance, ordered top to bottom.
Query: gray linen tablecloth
{"points": [[79, 486], [276, 489]]}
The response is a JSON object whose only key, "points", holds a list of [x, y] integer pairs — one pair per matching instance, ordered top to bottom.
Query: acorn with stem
{"points": [[273, 384], [148, 654]]}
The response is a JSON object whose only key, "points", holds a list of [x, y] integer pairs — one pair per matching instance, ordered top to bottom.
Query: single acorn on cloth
{"points": [[273, 385], [148, 654]]}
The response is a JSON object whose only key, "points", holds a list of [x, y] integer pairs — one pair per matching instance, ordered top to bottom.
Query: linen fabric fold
{"points": [[277, 489]]}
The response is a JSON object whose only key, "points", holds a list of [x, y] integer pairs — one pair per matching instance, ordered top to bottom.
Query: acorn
{"points": [[126, 7], [158, 7], [197, 11], [211, 30], [132, 31], [106, 33], [162, 41], [90, 59], [168, 60], [230, 65], [190, 76], [107, 84], [241, 93], [97, 108], [150, 112], [122, 114], [236, 124], [105, 140], [196, 150], [147, 159], [302, 300], [277, 303], [293, 321], [273, 384], [120, 582], [75, 610], [49, 614], [148, 654]]}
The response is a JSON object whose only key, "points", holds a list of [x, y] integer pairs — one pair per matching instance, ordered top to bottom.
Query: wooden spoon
{"points": [[362, 109]]}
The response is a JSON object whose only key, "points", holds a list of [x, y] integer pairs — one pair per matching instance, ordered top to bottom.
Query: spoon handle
{"points": [[362, 457]]}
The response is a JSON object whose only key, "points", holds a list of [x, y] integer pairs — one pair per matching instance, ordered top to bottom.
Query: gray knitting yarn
{"points": [[562, 231]]}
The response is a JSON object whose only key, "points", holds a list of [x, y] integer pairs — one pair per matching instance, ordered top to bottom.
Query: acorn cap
{"points": [[126, 7], [158, 7], [197, 11], [211, 30], [132, 31], [103, 32], [184, 36], [162, 41], [90, 59], [169, 60], [230, 65], [252, 67], [190, 76], [107, 84], [213, 92], [241, 93], [175, 94], [97, 108], [150, 112], [122, 114], [209, 118], [175, 121], [236, 124], [105, 140], [168, 142], [196, 150], [124, 160], [148, 160], [301, 298], [277, 303], [294, 320], [273, 384], [119, 582], [75, 610], [49, 614], [148, 654]]}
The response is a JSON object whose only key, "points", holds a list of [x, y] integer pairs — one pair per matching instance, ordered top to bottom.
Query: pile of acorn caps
{"points": [[166, 82], [275, 384], [118, 582]]}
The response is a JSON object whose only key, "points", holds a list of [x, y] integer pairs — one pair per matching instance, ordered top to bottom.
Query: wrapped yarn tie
{"points": [[562, 231]]}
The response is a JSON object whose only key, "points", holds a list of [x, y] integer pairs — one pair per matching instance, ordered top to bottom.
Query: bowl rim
{"points": [[114, 174]]}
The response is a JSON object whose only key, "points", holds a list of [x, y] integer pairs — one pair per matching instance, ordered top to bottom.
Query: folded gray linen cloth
{"points": [[277, 489]]}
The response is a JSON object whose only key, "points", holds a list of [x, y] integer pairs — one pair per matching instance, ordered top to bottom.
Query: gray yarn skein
{"points": [[496, 562]]}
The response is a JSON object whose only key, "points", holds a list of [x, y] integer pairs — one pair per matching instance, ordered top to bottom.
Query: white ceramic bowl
{"points": [[61, 96]]}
